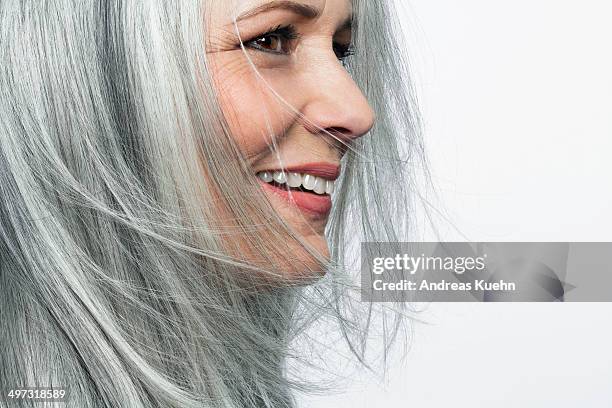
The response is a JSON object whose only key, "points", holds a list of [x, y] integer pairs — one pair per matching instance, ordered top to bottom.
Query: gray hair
{"points": [[119, 279]]}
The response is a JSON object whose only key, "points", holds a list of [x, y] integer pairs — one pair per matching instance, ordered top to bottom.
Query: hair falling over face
{"points": [[141, 264]]}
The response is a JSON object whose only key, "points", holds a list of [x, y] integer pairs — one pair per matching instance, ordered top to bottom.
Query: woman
{"points": [[167, 172]]}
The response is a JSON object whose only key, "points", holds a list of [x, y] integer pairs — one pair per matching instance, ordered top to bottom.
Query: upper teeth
{"points": [[307, 181]]}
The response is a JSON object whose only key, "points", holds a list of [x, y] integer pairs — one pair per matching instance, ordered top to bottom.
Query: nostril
{"points": [[341, 133]]}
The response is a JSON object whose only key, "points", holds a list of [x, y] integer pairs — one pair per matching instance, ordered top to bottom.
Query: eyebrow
{"points": [[301, 9]]}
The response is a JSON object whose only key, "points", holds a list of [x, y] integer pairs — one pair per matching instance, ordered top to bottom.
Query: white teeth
{"points": [[265, 176], [280, 177], [294, 180], [309, 182], [315, 184], [319, 186]]}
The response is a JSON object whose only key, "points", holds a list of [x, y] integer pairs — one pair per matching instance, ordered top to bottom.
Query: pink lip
{"points": [[318, 205]]}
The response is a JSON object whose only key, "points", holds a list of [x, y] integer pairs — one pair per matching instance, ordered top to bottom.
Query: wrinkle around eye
{"points": [[221, 40]]}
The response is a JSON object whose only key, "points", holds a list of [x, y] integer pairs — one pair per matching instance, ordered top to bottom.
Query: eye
{"points": [[278, 40], [271, 42]]}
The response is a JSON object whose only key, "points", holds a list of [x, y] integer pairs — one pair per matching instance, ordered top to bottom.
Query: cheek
{"points": [[254, 113]]}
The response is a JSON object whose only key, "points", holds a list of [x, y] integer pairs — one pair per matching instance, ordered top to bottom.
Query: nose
{"points": [[334, 102]]}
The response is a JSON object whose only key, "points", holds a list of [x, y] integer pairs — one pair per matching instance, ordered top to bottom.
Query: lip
{"points": [[327, 171], [310, 203], [313, 204]]}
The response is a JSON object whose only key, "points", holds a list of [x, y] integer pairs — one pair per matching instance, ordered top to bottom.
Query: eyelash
{"points": [[289, 33]]}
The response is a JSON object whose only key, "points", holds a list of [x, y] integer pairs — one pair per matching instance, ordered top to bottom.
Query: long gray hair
{"points": [[119, 278]]}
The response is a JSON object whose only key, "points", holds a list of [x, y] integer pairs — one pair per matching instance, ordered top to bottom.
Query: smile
{"points": [[299, 181], [309, 187]]}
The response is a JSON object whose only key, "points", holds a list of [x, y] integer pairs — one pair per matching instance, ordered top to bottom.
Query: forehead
{"points": [[244, 5], [231, 9]]}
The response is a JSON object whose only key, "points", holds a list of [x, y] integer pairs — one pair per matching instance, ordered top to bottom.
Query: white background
{"points": [[517, 103]]}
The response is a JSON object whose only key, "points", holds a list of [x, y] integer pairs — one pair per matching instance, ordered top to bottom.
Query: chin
{"points": [[319, 243], [310, 268]]}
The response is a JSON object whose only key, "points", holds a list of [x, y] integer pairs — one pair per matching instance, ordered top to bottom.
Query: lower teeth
{"points": [[300, 189]]}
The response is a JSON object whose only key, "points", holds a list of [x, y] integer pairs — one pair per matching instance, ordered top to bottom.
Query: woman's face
{"points": [[284, 95]]}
